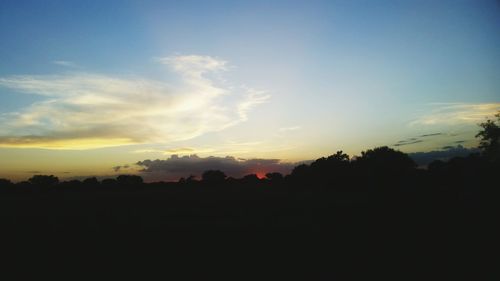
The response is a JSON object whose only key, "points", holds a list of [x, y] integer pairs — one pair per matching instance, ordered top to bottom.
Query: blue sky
{"points": [[85, 85]]}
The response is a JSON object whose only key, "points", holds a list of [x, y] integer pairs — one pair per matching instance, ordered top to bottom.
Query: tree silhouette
{"points": [[490, 138], [340, 157], [384, 159], [333, 161], [436, 165], [326, 171], [301, 172], [213, 176], [274, 177], [250, 179], [44, 180], [129, 180], [189, 180], [91, 181], [109, 182], [5, 184]]}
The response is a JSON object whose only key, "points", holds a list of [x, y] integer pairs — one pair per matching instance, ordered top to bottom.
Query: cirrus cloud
{"points": [[87, 110], [458, 113]]}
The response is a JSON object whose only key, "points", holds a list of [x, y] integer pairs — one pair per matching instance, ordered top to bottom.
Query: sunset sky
{"points": [[95, 87]]}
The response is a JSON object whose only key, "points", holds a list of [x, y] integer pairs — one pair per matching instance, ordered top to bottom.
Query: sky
{"points": [[107, 87]]}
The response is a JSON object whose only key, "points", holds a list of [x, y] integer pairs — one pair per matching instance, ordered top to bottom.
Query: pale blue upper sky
{"points": [[291, 80]]}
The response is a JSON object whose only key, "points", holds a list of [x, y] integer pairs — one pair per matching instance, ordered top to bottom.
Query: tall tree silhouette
{"points": [[490, 138], [385, 160], [330, 169]]}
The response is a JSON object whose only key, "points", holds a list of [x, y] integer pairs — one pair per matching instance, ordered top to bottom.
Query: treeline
{"points": [[379, 169], [381, 188]]}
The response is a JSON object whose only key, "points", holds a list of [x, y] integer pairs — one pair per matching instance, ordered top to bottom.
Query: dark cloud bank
{"points": [[447, 152], [175, 167]]}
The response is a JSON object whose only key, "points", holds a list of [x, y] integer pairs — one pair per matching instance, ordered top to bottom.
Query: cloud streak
{"points": [[64, 63], [86, 110], [430, 135], [417, 139], [407, 142]]}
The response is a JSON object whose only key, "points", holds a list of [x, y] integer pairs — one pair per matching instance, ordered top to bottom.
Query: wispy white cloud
{"points": [[64, 63], [194, 65], [253, 98], [89, 110], [458, 114], [288, 129], [147, 150], [172, 151]]}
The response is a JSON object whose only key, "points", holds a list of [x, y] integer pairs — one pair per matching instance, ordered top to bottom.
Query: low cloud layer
{"points": [[88, 110], [447, 152], [175, 167]]}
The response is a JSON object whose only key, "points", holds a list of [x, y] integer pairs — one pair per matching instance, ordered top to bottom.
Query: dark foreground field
{"points": [[235, 208]]}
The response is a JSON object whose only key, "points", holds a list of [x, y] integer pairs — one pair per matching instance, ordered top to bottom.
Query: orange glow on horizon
{"points": [[260, 175]]}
